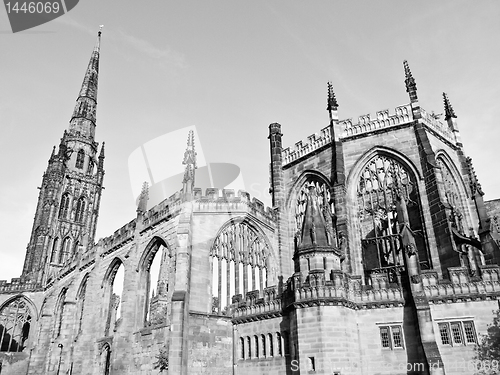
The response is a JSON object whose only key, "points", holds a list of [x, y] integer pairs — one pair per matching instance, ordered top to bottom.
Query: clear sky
{"points": [[230, 68]]}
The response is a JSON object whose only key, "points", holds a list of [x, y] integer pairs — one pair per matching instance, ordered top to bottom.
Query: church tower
{"points": [[68, 203]]}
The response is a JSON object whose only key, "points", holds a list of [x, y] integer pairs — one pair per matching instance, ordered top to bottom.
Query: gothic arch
{"points": [[301, 180], [373, 185], [150, 251], [241, 261], [110, 273], [155, 308], [59, 311], [15, 333]]}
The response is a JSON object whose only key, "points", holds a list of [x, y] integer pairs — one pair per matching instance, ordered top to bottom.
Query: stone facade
{"points": [[379, 256]]}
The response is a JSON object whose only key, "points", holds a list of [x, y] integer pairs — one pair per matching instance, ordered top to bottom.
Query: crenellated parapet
{"points": [[383, 120], [312, 143], [226, 201], [121, 236], [18, 285], [257, 305]]}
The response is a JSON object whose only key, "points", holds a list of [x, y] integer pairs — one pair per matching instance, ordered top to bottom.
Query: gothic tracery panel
{"points": [[381, 182], [240, 258], [15, 322]]}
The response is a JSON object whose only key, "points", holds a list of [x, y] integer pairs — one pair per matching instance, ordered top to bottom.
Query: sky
{"points": [[228, 69]]}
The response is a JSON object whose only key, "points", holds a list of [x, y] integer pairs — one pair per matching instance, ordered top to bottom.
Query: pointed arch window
{"points": [[80, 159], [379, 185], [453, 197], [63, 208], [80, 209], [53, 255], [240, 257], [158, 273], [114, 290], [81, 303], [59, 313], [15, 322]]}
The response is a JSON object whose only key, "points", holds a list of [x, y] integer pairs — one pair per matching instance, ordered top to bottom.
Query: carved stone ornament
{"points": [[410, 249]]}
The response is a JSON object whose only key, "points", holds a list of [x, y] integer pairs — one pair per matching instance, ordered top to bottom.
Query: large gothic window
{"points": [[80, 158], [379, 185], [325, 204], [63, 208], [80, 209], [240, 264], [159, 269], [81, 302], [15, 322]]}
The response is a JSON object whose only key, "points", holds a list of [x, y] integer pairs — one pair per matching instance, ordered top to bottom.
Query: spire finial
{"points": [[100, 30], [411, 86], [332, 100], [448, 109], [190, 163], [143, 198]]}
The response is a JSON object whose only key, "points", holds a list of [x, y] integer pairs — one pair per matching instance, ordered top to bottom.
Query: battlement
{"points": [[383, 120], [366, 124], [312, 143], [226, 200], [121, 235], [18, 285], [257, 303]]}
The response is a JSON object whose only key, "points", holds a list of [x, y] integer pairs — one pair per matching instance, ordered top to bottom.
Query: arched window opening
{"points": [[80, 158], [379, 185], [325, 204], [64, 207], [80, 209], [75, 248], [65, 250], [53, 255], [239, 264], [158, 277], [115, 291], [59, 313], [15, 322], [279, 344], [271, 345], [263, 346], [249, 347], [242, 348], [256, 348], [105, 359]]}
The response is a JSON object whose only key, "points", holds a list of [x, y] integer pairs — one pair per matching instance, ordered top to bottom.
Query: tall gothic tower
{"points": [[68, 203]]}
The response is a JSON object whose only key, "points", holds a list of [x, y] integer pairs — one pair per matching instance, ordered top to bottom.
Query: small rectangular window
{"points": [[444, 331], [456, 331], [470, 332], [384, 337], [397, 338], [311, 364]]}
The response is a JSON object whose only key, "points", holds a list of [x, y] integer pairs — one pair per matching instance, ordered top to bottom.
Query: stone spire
{"points": [[411, 86], [331, 103], [83, 120], [190, 163]]}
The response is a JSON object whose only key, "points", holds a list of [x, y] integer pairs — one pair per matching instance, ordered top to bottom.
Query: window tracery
{"points": [[382, 180], [452, 195], [63, 208], [80, 209], [240, 264], [15, 322]]}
